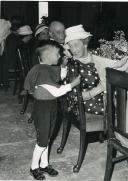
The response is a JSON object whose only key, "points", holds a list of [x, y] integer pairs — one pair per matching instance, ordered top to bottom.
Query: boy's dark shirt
{"points": [[42, 74]]}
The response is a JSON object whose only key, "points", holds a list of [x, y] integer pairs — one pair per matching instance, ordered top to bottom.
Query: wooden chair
{"points": [[24, 64], [18, 73], [10, 74], [14, 76], [26, 97], [116, 117], [84, 124]]}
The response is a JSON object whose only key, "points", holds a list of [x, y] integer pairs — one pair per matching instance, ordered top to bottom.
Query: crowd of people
{"points": [[59, 61]]}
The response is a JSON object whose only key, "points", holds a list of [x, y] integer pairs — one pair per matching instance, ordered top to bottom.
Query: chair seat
{"points": [[94, 122]]}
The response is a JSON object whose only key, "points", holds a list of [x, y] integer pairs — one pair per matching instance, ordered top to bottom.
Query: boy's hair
{"points": [[46, 45]]}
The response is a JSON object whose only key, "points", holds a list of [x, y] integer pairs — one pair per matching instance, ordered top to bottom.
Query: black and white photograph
{"points": [[64, 90]]}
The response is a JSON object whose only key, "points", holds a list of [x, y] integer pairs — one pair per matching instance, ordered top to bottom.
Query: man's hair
{"points": [[53, 24], [46, 45]]}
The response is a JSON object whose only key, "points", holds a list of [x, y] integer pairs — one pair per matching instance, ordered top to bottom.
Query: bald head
{"points": [[57, 31]]}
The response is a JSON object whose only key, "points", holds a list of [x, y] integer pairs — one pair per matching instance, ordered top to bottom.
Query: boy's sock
{"points": [[36, 156], [44, 158]]}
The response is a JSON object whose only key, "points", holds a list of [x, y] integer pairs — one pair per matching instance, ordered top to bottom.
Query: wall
{"points": [[0, 9], [28, 10], [72, 13], [100, 18]]}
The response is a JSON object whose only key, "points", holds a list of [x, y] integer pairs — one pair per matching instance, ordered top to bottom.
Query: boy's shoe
{"points": [[49, 170], [37, 174]]}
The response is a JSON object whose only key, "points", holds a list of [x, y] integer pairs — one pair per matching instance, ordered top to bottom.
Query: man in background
{"points": [[57, 31]]}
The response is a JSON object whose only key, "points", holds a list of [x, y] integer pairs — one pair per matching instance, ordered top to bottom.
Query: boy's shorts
{"points": [[44, 115]]}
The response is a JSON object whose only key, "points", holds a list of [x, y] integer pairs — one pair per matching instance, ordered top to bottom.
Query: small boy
{"points": [[43, 80]]}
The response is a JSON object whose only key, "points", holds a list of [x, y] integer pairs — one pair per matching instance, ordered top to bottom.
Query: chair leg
{"points": [[15, 85], [25, 103], [66, 130], [101, 137], [82, 151], [111, 153]]}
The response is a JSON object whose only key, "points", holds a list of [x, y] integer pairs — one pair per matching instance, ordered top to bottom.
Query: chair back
{"points": [[23, 62], [117, 86]]}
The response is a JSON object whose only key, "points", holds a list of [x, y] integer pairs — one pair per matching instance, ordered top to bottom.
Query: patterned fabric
{"points": [[89, 80]]}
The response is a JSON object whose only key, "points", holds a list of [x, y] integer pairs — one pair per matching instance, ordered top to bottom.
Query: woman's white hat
{"points": [[40, 28], [24, 30], [75, 33]]}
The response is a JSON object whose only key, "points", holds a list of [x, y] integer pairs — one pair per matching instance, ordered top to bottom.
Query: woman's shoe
{"points": [[49, 170], [37, 174]]}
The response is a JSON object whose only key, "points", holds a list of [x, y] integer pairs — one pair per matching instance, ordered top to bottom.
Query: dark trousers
{"points": [[44, 116]]}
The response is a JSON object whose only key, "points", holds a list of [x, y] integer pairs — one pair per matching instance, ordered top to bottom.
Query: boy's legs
{"points": [[51, 107], [40, 117], [42, 120], [36, 156], [44, 158], [35, 170]]}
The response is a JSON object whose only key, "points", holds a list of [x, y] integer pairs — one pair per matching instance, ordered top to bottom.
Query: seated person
{"points": [[41, 33], [25, 35], [11, 43], [92, 71]]}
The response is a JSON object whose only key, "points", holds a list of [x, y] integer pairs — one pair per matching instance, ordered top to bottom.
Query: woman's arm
{"points": [[93, 92]]}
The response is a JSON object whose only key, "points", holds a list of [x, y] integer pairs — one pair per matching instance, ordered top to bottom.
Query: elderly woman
{"points": [[41, 33], [25, 35], [91, 68], [91, 86], [91, 90]]}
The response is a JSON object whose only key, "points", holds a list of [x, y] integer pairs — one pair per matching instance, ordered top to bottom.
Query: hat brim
{"points": [[40, 30], [25, 33], [77, 37]]}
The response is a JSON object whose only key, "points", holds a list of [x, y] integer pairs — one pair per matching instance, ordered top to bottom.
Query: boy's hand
{"points": [[64, 61], [63, 72], [76, 81]]}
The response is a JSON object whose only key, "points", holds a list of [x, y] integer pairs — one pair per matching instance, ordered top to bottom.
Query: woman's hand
{"points": [[76, 81], [86, 95]]}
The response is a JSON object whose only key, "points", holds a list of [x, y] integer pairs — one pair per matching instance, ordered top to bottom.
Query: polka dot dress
{"points": [[89, 80]]}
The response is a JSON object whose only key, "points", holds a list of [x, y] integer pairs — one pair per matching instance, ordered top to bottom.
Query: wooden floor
{"points": [[17, 140]]}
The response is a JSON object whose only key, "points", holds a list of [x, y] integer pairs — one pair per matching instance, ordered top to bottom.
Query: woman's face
{"points": [[44, 35], [27, 38], [77, 48]]}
